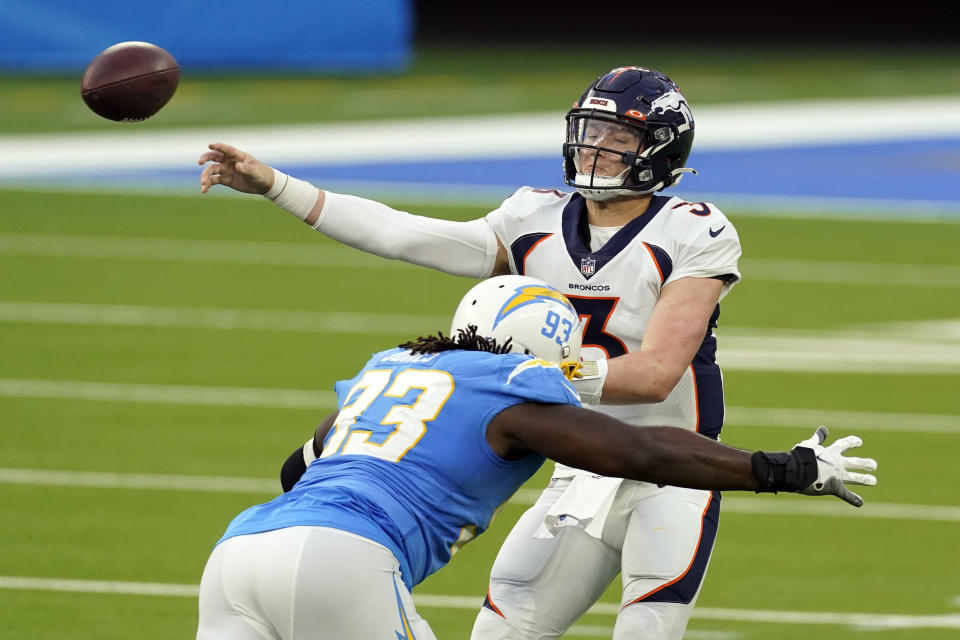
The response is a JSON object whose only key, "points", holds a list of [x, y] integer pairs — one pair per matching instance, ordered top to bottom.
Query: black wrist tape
{"points": [[292, 469], [793, 470]]}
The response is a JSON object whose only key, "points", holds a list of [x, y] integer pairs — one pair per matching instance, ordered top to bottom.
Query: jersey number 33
{"points": [[407, 400]]}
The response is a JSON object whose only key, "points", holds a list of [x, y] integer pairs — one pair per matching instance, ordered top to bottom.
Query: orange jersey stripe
{"points": [[654, 258], [523, 266]]}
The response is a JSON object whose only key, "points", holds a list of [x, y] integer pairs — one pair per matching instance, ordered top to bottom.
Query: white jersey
{"points": [[616, 287]]}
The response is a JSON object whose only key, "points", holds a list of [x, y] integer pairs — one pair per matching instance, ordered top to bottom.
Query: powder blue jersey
{"points": [[407, 463]]}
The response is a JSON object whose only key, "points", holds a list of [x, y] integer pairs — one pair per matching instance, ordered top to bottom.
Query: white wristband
{"points": [[294, 196], [590, 379], [308, 454]]}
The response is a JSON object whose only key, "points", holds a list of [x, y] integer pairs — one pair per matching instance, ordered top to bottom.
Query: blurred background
{"points": [[162, 352]]}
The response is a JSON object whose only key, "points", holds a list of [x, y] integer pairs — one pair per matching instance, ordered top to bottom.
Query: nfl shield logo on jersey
{"points": [[588, 266]]}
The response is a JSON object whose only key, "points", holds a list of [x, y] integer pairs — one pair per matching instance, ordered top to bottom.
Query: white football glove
{"points": [[588, 380], [833, 468]]}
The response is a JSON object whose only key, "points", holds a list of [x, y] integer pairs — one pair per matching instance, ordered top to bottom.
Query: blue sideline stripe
{"points": [[898, 173]]}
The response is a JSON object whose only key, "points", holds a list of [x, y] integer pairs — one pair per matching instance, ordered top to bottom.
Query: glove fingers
{"points": [[818, 438], [843, 444], [867, 464], [861, 478], [840, 490], [851, 497]]}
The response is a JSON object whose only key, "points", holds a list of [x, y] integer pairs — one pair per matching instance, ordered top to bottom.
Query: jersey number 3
{"points": [[595, 314], [403, 424]]}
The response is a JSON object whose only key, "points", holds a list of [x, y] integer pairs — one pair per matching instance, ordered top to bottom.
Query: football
{"points": [[130, 81]]}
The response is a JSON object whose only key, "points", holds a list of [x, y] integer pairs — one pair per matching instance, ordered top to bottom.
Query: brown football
{"points": [[130, 81]]}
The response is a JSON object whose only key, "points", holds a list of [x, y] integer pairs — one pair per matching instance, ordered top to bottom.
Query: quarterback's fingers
{"points": [[227, 151], [207, 156], [208, 172], [207, 177], [846, 443], [867, 464], [861, 478]]}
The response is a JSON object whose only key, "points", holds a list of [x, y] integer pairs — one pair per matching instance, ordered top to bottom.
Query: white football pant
{"points": [[660, 539], [305, 582]]}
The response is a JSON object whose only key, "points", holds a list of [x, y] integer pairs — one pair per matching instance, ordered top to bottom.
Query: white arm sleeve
{"points": [[460, 248]]}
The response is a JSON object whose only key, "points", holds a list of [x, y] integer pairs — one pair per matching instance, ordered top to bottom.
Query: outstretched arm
{"points": [[461, 248], [596, 442], [667, 455]]}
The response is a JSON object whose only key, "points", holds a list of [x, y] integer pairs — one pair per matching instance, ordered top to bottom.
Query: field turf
{"points": [[177, 260]]}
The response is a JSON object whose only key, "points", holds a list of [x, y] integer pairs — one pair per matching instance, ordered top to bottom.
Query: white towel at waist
{"points": [[585, 503]]}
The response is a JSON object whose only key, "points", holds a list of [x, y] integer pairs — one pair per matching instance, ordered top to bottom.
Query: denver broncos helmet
{"points": [[637, 114], [537, 318]]}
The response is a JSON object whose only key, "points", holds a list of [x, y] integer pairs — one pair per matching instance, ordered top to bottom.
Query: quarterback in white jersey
{"points": [[646, 274], [614, 279], [659, 538]]}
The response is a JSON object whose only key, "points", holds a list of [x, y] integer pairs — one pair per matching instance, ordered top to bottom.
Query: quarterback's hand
{"points": [[234, 168], [833, 468]]}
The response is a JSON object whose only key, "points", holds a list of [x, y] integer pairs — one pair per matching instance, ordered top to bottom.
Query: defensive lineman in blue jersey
{"points": [[428, 441], [420, 492]]}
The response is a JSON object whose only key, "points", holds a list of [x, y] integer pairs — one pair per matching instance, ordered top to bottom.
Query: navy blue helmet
{"points": [[630, 133]]}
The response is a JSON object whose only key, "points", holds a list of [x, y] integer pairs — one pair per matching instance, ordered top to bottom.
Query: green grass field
{"points": [[179, 255], [160, 356]]}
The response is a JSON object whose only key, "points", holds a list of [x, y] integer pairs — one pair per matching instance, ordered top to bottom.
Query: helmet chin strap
{"points": [[679, 174], [585, 181], [605, 192]]}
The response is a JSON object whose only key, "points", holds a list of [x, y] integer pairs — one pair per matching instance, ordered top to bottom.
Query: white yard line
{"points": [[202, 251], [330, 255], [862, 273], [209, 318], [742, 349], [868, 355], [167, 394], [304, 399], [839, 420], [139, 481], [805, 507], [100, 586], [428, 601]]}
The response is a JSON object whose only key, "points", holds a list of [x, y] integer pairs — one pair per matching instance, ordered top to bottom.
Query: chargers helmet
{"points": [[637, 114], [537, 318]]}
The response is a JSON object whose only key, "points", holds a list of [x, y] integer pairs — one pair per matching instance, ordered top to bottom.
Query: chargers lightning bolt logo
{"points": [[531, 294]]}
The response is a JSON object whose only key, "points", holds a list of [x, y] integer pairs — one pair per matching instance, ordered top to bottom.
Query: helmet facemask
{"points": [[647, 105], [607, 157]]}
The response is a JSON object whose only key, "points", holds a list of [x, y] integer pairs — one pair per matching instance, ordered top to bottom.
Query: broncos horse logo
{"points": [[672, 101]]}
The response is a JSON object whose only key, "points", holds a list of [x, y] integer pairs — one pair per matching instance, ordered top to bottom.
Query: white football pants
{"points": [[660, 539], [305, 582]]}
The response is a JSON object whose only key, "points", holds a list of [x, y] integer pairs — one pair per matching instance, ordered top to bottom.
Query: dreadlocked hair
{"points": [[467, 340]]}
